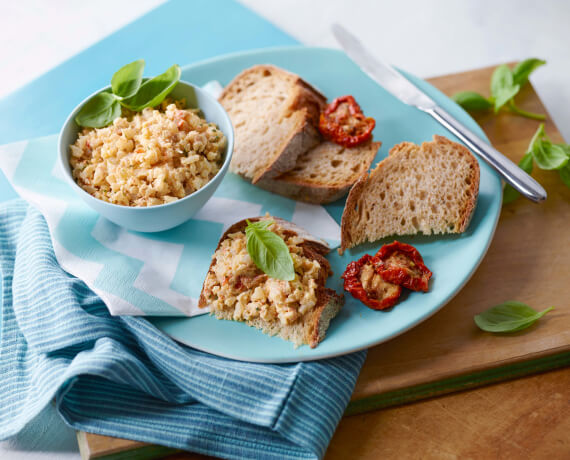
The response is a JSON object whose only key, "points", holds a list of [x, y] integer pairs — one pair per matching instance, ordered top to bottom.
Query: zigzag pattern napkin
{"points": [[157, 274]]}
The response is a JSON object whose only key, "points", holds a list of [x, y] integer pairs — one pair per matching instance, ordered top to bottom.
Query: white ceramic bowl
{"points": [[165, 216]]}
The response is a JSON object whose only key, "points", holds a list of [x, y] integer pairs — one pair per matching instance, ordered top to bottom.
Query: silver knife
{"points": [[394, 82]]}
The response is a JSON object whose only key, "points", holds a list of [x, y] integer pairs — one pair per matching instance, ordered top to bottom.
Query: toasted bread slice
{"points": [[275, 116], [325, 173], [427, 189], [299, 311]]}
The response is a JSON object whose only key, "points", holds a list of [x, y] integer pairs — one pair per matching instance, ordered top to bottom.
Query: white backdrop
{"points": [[425, 37]]}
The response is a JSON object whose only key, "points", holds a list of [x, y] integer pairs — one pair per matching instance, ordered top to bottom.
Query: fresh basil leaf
{"points": [[523, 69], [127, 80], [502, 87], [152, 92], [470, 100], [99, 111], [536, 137], [565, 147], [549, 156], [526, 163], [565, 174], [509, 193], [262, 224], [268, 251], [510, 316]]}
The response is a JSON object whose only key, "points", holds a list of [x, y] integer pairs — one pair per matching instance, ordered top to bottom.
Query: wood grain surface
{"points": [[528, 261]]}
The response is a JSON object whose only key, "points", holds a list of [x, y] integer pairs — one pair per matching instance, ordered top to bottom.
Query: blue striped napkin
{"points": [[120, 376]]}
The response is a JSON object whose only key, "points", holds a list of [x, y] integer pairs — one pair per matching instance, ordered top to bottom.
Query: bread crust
{"points": [[304, 103], [304, 137], [296, 188], [304, 191], [468, 212], [348, 237], [329, 303]]}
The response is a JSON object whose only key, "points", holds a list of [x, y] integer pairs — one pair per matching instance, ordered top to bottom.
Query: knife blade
{"points": [[399, 86]]}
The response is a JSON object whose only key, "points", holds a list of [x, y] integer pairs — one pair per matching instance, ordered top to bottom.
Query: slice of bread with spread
{"points": [[275, 115], [325, 173], [430, 188], [299, 310]]}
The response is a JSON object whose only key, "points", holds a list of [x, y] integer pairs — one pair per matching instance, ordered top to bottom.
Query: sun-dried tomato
{"points": [[344, 123], [402, 264], [367, 286]]}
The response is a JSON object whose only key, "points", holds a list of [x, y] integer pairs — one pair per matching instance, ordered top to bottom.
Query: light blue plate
{"points": [[452, 259]]}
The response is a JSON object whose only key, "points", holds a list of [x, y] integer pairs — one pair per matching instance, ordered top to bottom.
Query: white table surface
{"points": [[426, 38]]}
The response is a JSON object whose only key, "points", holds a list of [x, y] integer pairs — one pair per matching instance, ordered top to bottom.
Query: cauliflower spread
{"points": [[149, 158], [235, 283]]}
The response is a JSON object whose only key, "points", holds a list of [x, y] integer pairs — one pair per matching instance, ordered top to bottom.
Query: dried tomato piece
{"points": [[344, 123], [402, 264], [364, 284]]}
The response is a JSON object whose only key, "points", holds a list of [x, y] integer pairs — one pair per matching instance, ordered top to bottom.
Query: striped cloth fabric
{"points": [[120, 376]]}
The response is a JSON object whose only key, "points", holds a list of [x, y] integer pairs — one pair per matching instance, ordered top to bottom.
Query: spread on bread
{"points": [[344, 123], [377, 280], [236, 283], [298, 310]]}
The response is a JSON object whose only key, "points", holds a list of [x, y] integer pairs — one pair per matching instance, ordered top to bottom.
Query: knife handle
{"points": [[510, 172]]}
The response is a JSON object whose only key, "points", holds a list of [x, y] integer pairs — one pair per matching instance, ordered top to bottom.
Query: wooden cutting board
{"points": [[528, 260]]}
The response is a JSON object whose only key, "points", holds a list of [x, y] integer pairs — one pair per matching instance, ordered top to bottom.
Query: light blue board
{"points": [[177, 32], [453, 259]]}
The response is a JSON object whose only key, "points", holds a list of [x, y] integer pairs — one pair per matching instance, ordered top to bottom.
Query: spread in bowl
{"points": [[147, 154], [148, 158]]}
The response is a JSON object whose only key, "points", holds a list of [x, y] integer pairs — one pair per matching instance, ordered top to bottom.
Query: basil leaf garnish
{"points": [[523, 69], [127, 80], [505, 84], [502, 87], [129, 91], [152, 92], [470, 100], [99, 111], [565, 147], [546, 154], [549, 156], [565, 174], [509, 193], [268, 251], [511, 316]]}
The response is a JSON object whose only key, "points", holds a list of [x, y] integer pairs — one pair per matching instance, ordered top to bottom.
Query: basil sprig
{"points": [[127, 80], [505, 85], [128, 90], [152, 92], [99, 111], [547, 156], [268, 251], [511, 316]]}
